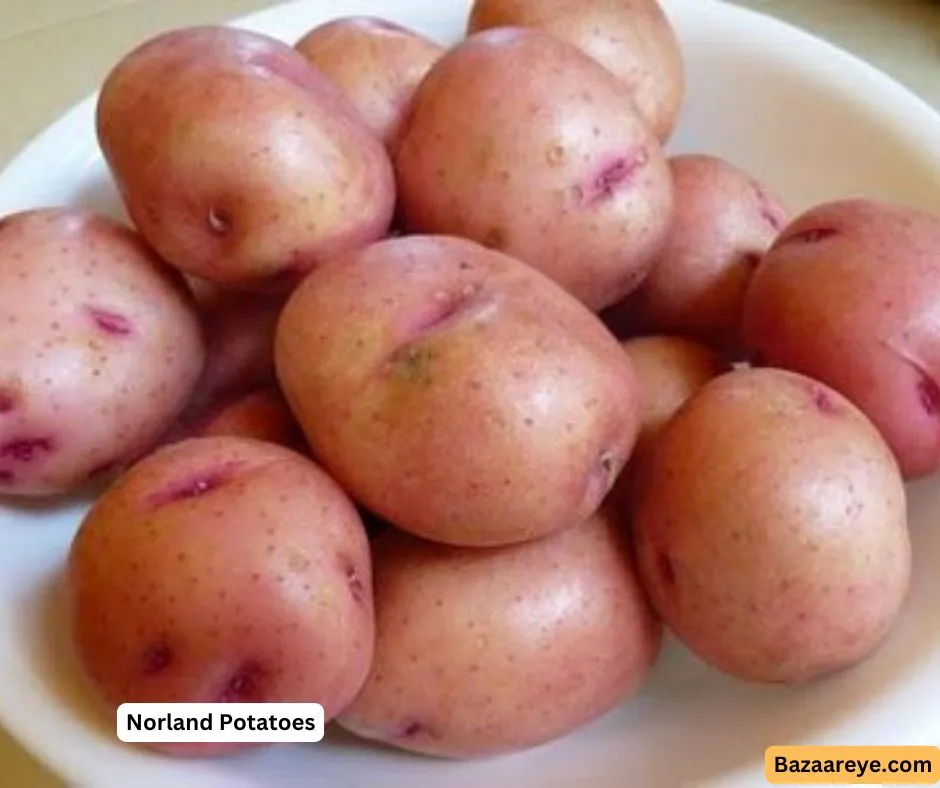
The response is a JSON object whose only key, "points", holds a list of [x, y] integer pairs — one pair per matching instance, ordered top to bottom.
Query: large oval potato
{"points": [[633, 39], [376, 63], [237, 160], [556, 169], [723, 224], [850, 295], [100, 349], [455, 391], [771, 528], [223, 570], [484, 651]]}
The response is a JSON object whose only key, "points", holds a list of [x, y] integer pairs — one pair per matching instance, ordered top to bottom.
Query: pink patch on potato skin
{"points": [[612, 175], [811, 236], [110, 322], [928, 393], [822, 399], [7, 402], [26, 450], [6, 478], [195, 486], [157, 658], [244, 685]]}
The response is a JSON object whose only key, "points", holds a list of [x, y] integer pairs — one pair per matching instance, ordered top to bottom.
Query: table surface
{"points": [[902, 37]]}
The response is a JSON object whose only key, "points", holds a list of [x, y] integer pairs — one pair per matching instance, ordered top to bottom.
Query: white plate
{"points": [[812, 121]]}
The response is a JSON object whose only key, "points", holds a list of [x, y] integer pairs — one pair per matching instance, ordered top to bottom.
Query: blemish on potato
{"points": [[555, 155], [611, 176], [219, 221], [811, 236], [110, 322], [928, 392], [823, 400], [7, 402], [26, 449], [6, 478], [195, 486], [357, 588], [157, 658], [245, 684], [415, 729]]}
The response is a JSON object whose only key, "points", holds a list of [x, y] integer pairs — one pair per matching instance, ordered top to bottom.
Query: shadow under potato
{"points": [[98, 194]]}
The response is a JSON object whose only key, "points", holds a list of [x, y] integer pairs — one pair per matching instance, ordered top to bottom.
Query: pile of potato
{"points": [[427, 386]]}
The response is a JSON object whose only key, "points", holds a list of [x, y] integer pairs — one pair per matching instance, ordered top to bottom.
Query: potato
{"points": [[631, 38], [377, 64], [237, 160], [556, 169], [724, 222], [849, 295], [239, 330], [100, 349], [669, 370], [456, 392], [262, 415], [771, 528], [223, 570], [484, 651]]}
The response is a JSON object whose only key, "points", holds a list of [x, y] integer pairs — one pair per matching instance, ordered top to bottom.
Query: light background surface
{"points": [[54, 52]]}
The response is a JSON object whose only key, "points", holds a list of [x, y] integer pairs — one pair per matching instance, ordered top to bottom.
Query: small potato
{"points": [[631, 38], [376, 63], [237, 160], [554, 167], [724, 222], [850, 295], [239, 331], [100, 349], [669, 370], [456, 392], [262, 415], [771, 528], [223, 570], [480, 652]]}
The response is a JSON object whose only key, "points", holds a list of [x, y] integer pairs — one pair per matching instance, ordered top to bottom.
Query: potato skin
{"points": [[633, 39], [377, 64], [237, 160], [556, 168], [723, 223], [849, 295], [100, 349], [669, 371], [455, 391], [262, 415], [771, 528], [223, 570], [480, 652]]}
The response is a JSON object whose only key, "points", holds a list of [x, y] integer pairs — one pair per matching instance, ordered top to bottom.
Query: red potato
{"points": [[633, 39], [376, 63], [237, 160], [554, 167], [723, 224], [850, 295], [239, 331], [100, 349], [669, 370], [456, 392], [263, 415], [771, 528], [223, 570], [481, 652]]}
